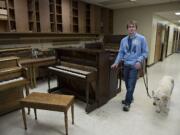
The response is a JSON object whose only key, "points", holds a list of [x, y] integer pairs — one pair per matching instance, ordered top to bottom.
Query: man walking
{"points": [[133, 51]]}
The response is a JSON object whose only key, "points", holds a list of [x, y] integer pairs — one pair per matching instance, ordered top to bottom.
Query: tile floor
{"points": [[109, 119]]}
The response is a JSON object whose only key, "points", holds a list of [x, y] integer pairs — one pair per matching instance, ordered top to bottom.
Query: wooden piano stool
{"points": [[46, 101]]}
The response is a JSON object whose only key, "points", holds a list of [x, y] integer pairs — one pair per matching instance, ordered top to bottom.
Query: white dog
{"points": [[163, 93]]}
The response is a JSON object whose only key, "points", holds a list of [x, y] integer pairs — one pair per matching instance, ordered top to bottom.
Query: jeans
{"points": [[130, 78]]}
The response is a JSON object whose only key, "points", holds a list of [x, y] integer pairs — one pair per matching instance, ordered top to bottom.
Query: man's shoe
{"points": [[123, 102], [126, 108]]}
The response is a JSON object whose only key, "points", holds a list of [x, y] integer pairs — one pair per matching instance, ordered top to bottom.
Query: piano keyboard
{"points": [[74, 70], [67, 72], [11, 81]]}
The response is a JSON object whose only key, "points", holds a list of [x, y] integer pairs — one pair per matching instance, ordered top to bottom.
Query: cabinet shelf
{"points": [[51, 1], [58, 2], [11, 3], [3, 4], [75, 4], [36, 5], [51, 8], [55, 8], [58, 10], [11, 14], [33, 15], [75, 16], [88, 18], [13, 26]]}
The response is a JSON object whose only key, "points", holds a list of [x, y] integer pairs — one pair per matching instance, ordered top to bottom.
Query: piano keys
{"points": [[67, 72], [13, 78]]}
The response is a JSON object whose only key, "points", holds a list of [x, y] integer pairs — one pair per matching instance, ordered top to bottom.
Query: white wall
{"points": [[146, 23]]}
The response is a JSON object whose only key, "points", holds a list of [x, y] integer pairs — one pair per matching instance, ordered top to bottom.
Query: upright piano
{"points": [[21, 52], [33, 59], [83, 73], [13, 78]]}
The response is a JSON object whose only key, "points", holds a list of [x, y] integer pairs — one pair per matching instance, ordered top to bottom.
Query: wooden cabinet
{"points": [[55, 9], [3, 11], [44, 11], [58, 13], [19, 15], [52, 15], [3, 16], [11, 16], [33, 16], [59, 16], [75, 16], [82, 17], [37, 18], [66, 18], [88, 18], [95, 19], [106, 21]]}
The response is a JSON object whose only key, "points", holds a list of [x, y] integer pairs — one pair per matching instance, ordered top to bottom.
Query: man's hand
{"points": [[138, 65], [114, 66]]}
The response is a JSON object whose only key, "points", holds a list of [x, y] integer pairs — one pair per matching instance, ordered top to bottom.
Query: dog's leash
{"points": [[145, 74]]}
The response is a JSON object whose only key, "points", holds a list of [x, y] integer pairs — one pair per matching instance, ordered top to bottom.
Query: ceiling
{"points": [[117, 4], [170, 15]]}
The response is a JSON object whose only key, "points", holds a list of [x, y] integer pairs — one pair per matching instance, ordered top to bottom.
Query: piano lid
{"points": [[86, 50], [9, 58]]}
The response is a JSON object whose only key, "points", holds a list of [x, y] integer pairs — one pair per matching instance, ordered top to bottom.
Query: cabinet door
{"points": [[66, 10], [21, 15], [44, 15], [82, 17], [95, 19], [106, 21], [158, 45]]}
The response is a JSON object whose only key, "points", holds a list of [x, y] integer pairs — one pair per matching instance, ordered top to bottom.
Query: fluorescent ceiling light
{"points": [[132, 0], [177, 13]]}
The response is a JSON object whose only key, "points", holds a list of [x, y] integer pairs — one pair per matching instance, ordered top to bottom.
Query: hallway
{"points": [[109, 119]]}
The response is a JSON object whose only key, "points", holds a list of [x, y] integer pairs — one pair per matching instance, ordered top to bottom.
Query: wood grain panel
{"points": [[66, 10], [21, 15], [44, 15], [82, 17]]}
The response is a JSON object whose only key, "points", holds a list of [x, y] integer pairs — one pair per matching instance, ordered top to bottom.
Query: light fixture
{"points": [[132, 0], [177, 13]]}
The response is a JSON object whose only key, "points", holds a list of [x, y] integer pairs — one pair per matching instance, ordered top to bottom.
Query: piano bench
{"points": [[46, 101]]}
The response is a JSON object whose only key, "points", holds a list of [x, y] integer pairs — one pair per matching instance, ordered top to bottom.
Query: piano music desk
{"points": [[46, 101]]}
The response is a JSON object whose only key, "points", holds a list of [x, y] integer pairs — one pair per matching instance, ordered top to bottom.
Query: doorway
{"points": [[158, 44]]}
